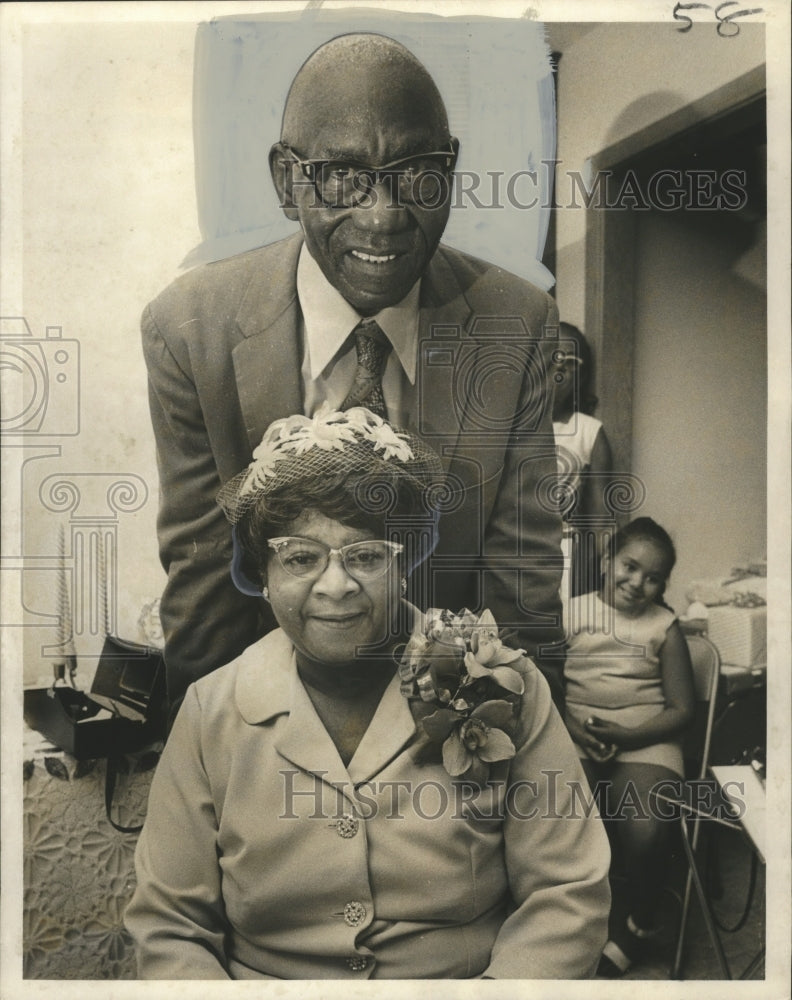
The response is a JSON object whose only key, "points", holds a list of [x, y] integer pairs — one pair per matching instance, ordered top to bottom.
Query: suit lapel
{"points": [[444, 317], [267, 362], [459, 366], [392, 726], [306, 743]]}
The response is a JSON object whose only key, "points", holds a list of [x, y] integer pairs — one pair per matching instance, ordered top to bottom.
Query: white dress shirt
{"points": [[329, 356]]}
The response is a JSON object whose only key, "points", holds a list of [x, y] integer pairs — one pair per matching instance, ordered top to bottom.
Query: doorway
{"points": [[676, 308]]}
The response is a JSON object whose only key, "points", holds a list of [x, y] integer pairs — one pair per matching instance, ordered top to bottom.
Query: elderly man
{"points": [[362, 306]]}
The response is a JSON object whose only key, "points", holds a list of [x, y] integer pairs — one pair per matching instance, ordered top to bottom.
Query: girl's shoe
{"points": [[623, 949]]}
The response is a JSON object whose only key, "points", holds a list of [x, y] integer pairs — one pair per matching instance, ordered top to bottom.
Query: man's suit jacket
{"points": [[222, 347]]}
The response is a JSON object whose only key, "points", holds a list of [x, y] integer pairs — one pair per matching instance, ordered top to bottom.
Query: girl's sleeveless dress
{"points": [[613, 671]]}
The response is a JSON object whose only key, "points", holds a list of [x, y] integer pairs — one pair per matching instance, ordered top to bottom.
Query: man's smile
{"points": [[373, 258]]}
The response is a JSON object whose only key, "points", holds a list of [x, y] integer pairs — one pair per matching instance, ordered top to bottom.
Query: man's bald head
{"points": [[364, 84], [360, 102]]}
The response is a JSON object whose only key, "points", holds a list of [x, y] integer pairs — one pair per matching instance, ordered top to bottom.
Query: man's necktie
{"points": [[372, 348]]}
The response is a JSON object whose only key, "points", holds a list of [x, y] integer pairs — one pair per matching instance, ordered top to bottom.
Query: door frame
{"points": [[610, 246]]}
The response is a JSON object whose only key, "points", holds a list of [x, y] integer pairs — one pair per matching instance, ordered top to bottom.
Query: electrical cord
{"points": [[748, 899]]}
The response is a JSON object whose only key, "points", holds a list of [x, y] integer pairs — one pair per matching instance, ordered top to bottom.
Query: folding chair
{"points": [[705, 660]]}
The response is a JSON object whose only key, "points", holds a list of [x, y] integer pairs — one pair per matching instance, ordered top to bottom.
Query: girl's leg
{"points": [[642, 835]]}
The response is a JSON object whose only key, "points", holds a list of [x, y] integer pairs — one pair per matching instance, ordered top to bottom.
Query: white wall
{"points": [[614, 81], [108, 211], [699, 397]]}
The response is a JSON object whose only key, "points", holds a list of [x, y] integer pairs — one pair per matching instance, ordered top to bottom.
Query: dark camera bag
{"points": [[129, 681]]}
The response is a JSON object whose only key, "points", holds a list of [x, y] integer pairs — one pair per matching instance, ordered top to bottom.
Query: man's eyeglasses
{"points": [[422, 180], [307, 558]]}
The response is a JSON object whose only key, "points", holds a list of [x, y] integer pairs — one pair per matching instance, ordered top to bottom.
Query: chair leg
{"points": [[702, 897], [677, 966]]}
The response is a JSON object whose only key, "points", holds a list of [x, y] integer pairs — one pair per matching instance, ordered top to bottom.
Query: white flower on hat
{"points": [[359, 417], [328, 430], [391, 444], [301, 447], [262, 466]]}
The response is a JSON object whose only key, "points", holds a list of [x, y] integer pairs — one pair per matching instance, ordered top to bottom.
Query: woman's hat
{"points": [[353, 442]]}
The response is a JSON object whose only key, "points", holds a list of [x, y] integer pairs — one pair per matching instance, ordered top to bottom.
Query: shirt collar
{"points": [[329, 319]]}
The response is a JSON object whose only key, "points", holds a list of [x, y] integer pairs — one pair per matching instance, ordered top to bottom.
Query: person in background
{"points": [[362, 306], [584, 461], [629, 699], [329, 805]]}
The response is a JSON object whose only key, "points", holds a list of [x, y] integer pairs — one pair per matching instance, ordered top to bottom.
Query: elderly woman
{"points": [[367, 792]]}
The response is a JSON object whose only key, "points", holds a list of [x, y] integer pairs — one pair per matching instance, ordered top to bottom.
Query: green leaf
{"points": [[85, 767], [56, 768], [477, 773]]}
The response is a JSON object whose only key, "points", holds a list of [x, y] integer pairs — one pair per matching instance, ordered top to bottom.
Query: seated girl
{"points": [[629, 698]]}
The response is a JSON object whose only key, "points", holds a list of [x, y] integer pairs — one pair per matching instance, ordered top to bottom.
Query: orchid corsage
{"points": [[463, 689]]}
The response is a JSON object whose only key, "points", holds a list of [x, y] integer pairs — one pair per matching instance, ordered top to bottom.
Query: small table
{"points": [[743, 787]]}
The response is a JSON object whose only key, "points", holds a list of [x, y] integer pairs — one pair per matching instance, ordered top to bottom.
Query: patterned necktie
{"points": [[372, 354]]}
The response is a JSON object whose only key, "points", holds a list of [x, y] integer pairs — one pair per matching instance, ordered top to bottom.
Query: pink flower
{"points": [[444, 674]]}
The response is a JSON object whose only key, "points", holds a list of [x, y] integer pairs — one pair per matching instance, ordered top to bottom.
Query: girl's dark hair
{"points": [[584, 400], [363, 502], [644, 529]]}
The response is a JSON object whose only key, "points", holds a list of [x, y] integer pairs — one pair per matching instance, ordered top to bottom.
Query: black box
{"points": [[129, 681]]}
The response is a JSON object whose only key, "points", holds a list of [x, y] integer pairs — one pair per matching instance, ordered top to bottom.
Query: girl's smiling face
{"points": [[635, 577]]}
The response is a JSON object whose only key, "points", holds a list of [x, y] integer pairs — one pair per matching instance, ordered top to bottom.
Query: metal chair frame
{"points": [[705, 660]]}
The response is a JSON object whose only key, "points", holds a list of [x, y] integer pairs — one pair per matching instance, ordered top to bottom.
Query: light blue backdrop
{"points": [[494, 75]]}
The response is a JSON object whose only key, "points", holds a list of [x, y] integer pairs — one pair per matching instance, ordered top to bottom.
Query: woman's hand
{"points": [[597, 749]]}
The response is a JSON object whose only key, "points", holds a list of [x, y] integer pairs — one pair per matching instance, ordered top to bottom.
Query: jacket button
{"points": [[347, 826], [354, 913], [357, 963]]}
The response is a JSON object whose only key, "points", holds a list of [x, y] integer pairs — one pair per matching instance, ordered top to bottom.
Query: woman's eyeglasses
{"points": [[422, 180], [307, 558]]}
